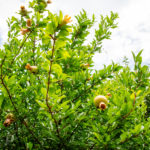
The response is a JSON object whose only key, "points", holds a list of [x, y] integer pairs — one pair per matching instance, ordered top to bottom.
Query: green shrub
{"points": [[48, 84]]}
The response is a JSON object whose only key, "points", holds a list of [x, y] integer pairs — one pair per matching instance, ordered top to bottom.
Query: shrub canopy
{"points": [[48, 86]]}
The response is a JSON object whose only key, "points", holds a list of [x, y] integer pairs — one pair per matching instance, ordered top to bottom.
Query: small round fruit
{"points": [[49, 2], [22, 7], [29, 22], [24, 31], [86, 65], [27, 66], [33, 69], [108, 94], [99, 99], [10, 118], [7, 122]]}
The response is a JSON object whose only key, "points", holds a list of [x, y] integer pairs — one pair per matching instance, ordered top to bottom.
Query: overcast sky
{"points": [[133, 33]]}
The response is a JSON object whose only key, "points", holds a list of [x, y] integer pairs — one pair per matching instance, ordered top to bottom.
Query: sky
{"points": [[132, 34]]}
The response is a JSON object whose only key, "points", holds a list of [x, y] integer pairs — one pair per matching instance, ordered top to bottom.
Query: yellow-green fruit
{"points": [[49, 2], [29, 22], [33, 69], [100, 99], [10, 116]]}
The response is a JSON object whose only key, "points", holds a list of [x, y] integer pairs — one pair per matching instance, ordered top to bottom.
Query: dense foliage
{"points": [[47, 86]]}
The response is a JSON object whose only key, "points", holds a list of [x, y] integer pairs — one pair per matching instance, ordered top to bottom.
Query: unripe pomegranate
{"points": [[49, 2], [22, 7], [23, 11], [29, 22], [24, 31], [86, 65], [32, 69], [108, 94], [101, 102], [9, 119], [7, 122]]}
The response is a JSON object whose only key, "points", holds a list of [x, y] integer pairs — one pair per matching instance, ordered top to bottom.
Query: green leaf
{"points": [[60, 17], [50, 29], [63, 33], [60, 43], [65, 54], [139, 54], [56, 68], [12, 80], [44, 91], [1, 99], [42, 104], [97, 136], [123, 137], [29, 146]]}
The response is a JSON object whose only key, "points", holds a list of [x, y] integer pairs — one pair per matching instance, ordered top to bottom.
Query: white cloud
{"points": [[133, 34]]}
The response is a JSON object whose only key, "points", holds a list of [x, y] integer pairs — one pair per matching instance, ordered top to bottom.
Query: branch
{"points": [[75, 37], [21, 47], [33, 50], [49, 74], [49, 82], [93, 84], [5, 86], [85, 91], [11, 99], [125, 116], [73, 131], [31, 132], [16, 133], [134, 136], [92, 146]]}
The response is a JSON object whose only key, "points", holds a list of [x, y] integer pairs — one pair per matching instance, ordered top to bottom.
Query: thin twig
{"points": [[21, 46], [33, 50], [49, 75], [5, 86], [48, 86], [85, 91], [11, 99], [125, 116], [16, 132], [31, 132], [134, 136], [92, 146]]}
